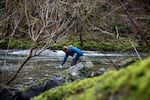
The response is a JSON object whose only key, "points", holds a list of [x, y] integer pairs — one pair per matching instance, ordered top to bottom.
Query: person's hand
{"points": [[60, 66]]}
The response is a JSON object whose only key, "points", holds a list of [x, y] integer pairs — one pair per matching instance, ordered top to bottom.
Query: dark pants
{"points": [[76, 60]]}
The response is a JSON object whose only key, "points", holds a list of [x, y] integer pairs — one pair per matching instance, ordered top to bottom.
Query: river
{"points": [[46, 64]]}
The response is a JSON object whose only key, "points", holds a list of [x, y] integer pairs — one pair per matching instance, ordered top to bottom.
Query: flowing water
{"points": [[47, 63]]}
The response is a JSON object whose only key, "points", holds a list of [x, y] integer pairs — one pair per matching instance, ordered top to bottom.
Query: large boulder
{"points": [[75, 70], [40, 88], [7, 93]]}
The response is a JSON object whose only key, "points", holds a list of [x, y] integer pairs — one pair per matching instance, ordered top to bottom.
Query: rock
{"points": [[125, 64], [74, 69], [102, 69], [99, 72], [30, 78], [38, 89], [7, 93]]}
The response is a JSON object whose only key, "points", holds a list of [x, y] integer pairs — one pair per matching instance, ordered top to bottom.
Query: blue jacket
{"points": [[71, 52]]}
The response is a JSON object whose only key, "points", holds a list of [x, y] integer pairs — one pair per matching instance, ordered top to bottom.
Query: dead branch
{"points": [[116, 9], [126, 11], [42, 33], [135, 49], [21, 66]]}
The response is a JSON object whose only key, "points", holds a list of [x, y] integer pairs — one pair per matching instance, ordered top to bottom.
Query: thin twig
{"points": [[117, 36], [135, 49]]}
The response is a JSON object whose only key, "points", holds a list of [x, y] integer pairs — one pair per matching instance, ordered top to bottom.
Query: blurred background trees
{"points": [[50, 20]]}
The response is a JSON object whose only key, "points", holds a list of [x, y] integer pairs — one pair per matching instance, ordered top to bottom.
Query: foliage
{"points": [[16, 43], [3, 44], [102, 44], [131, 83]]}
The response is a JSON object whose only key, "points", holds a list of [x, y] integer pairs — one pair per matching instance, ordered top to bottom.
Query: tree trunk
{"points": [[81, 40], [21, 66]]}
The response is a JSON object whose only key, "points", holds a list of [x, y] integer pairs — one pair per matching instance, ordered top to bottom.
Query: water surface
{"points": [[47, 63]]}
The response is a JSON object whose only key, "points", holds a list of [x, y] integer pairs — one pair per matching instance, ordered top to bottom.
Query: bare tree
{"points": [[46, 27]]}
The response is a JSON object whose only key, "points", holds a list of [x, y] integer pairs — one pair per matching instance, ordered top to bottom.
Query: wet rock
{"points": [[125, 64], [102, 69], [73, 70], [79, 71], [84, 72], [99, 72], [80, 74], [30, 78], [38, 89], [7, 93]]}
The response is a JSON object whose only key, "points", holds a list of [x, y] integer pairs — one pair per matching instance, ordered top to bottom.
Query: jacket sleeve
{"points": [[64, 59]]}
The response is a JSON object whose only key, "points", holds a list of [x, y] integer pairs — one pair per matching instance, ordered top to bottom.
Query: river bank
{"points": [[89, 43]]}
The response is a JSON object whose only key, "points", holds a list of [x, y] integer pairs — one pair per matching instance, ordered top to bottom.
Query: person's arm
{"points": [[64, 59]]}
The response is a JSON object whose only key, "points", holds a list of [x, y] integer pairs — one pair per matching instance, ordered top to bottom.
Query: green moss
{"points": [[3, 44], [15, 44], [19, 44], [99, 44], [90, 45], [130, 83], [36, 84]]}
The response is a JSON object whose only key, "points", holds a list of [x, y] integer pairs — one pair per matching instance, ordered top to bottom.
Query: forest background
{"points": [[102, 25]]}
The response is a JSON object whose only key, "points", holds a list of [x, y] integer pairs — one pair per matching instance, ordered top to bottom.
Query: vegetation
{"points": [[89, 43], [16, 44], [130, 83]]}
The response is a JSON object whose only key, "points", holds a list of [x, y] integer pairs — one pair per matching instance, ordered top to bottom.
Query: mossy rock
{"points": [[130, 83]]}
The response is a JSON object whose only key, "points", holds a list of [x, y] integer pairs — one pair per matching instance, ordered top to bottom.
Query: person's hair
{"points": [[65, 48]]}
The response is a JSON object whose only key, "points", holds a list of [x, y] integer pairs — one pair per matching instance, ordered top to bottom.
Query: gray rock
{"points": [[74, 69], [99, 72]]}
